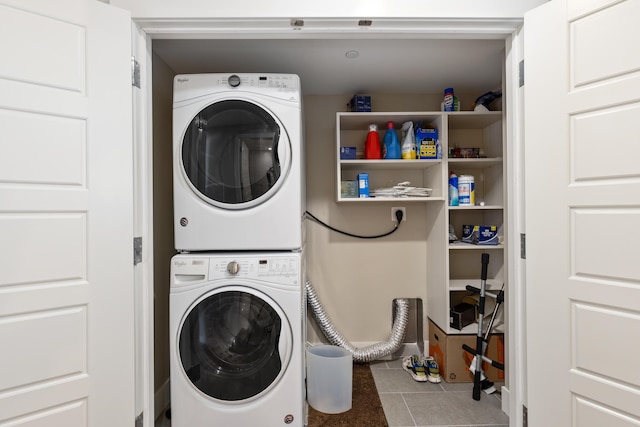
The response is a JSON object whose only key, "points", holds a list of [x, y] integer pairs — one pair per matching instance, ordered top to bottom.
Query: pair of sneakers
{"points": [[422, 368]]}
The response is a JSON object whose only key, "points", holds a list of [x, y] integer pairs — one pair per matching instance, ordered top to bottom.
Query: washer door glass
{"points": [[232, 154], [229, 345]]}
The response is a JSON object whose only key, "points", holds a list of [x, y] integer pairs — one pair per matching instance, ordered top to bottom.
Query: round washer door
{"points": [[235, 154], [234, 344]]}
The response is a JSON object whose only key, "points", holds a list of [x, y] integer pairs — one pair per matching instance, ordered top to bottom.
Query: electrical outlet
{"points": [[393, 214]]}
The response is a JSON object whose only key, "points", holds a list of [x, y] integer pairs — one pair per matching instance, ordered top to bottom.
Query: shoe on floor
{"points": [[413, 365], [432, 368]]}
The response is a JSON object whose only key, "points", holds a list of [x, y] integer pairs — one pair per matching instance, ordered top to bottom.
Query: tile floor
{"points": [[408, 403]]}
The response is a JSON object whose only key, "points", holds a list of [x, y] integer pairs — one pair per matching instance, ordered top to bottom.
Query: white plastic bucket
{"points": [[466, 190], [329, 378]]}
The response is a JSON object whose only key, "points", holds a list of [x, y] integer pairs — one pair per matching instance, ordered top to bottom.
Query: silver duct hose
{"points": [[371, 352]]}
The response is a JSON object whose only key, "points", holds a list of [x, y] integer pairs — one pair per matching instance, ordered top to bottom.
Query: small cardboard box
{"points": [[426, 141], [347, 153], [363, 185], [349, 189], [480, 234], [454, 361]]}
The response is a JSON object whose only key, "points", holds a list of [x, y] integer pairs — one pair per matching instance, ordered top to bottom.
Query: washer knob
{"points": [[234, 80], [233, 268]]}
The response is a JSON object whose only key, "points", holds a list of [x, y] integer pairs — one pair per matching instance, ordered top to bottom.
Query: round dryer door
{"points": [[235, 154], [234, 344]]}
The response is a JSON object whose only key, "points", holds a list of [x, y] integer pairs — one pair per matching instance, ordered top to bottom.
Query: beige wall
{"points": [[163, 248], [357, 279]]}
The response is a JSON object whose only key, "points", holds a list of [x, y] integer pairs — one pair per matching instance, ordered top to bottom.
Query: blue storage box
{"points": [[360, 103], [347, 153]]}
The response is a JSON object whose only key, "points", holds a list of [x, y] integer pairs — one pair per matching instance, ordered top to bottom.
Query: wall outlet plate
{"points": [[393, 214]]}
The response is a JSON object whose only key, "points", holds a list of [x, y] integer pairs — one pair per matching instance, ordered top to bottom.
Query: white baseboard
{"points": [[162, 399], [505, 400]]}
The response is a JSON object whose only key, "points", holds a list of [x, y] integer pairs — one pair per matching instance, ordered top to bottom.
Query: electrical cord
{"points": [[399, 216]]}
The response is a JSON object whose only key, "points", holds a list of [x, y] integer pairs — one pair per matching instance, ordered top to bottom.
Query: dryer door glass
{"points": [[230, 153], [229, 345]]}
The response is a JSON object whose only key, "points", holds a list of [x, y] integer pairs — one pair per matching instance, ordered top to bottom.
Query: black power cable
{"points": [[398, 213]]}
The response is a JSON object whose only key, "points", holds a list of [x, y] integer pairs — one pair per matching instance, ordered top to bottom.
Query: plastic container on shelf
{"points": [[448, 99], [408, 141], [392, 148], [372, 149], [453, 190], [466, 190]]}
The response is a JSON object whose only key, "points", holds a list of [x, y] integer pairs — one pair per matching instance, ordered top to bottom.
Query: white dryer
{"points": [[238, 162], [237, 340]]}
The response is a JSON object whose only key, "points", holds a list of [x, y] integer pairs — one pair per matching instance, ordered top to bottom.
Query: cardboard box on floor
{"points": [[454, 361]]}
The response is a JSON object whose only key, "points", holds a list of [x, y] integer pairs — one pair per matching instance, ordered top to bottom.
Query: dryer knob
{"points": [[234, 80], [233, 267]]}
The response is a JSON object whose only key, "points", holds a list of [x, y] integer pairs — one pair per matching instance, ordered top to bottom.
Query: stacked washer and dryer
{"points": [[237, 302]]}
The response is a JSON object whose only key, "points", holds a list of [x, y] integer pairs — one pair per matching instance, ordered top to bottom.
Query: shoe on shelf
{"points": [[413, 365], [432, 368]]}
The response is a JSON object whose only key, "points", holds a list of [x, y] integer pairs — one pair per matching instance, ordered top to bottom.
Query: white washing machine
{"points": [[238, 162], [237, 340]]}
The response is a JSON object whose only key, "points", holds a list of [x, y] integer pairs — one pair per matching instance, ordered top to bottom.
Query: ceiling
{"points": [[396, 66]]}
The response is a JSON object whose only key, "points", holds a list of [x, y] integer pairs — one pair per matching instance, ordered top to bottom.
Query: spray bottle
{"points": [[453, 190]]}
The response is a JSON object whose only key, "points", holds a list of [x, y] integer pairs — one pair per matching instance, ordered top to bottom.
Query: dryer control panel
{"points": [[189, 88]]}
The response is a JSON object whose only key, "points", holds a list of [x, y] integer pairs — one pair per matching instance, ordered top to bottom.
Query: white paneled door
{"points": [[582, 106], [66, 215]]}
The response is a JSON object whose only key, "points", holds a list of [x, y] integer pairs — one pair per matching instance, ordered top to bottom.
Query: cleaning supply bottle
{"points": [[448, 99], [391, 143], [408, 146], [372, 149], [453, 190]]}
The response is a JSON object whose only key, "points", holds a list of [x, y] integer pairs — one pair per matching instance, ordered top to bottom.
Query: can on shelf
{"points": [[466, 190]]}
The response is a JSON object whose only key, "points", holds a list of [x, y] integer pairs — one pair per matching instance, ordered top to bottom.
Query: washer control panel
{"points": [[278, 269], [190, 270]]}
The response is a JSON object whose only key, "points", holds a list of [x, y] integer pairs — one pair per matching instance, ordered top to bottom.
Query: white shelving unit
{"points": [[351, 131], [450, 266]]}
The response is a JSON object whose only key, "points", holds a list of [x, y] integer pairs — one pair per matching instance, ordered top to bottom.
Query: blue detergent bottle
{"points": [[392, 148], [453, 190]]}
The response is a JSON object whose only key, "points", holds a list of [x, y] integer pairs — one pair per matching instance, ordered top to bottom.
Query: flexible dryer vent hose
{"points": [[371, 352]]}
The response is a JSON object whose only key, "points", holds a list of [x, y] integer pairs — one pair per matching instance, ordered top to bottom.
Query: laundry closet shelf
{"points": [[471, 163], [367, 165], [389, 199], [475, 207], [472, 247], [461, 284]]}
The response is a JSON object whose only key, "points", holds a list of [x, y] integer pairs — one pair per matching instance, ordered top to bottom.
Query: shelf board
{"points": [[473, 119], [361, 120], [475, 162], [388, 164], [389, 199], [475, 208], [472, 247], [461, 284], [472, 329]]}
